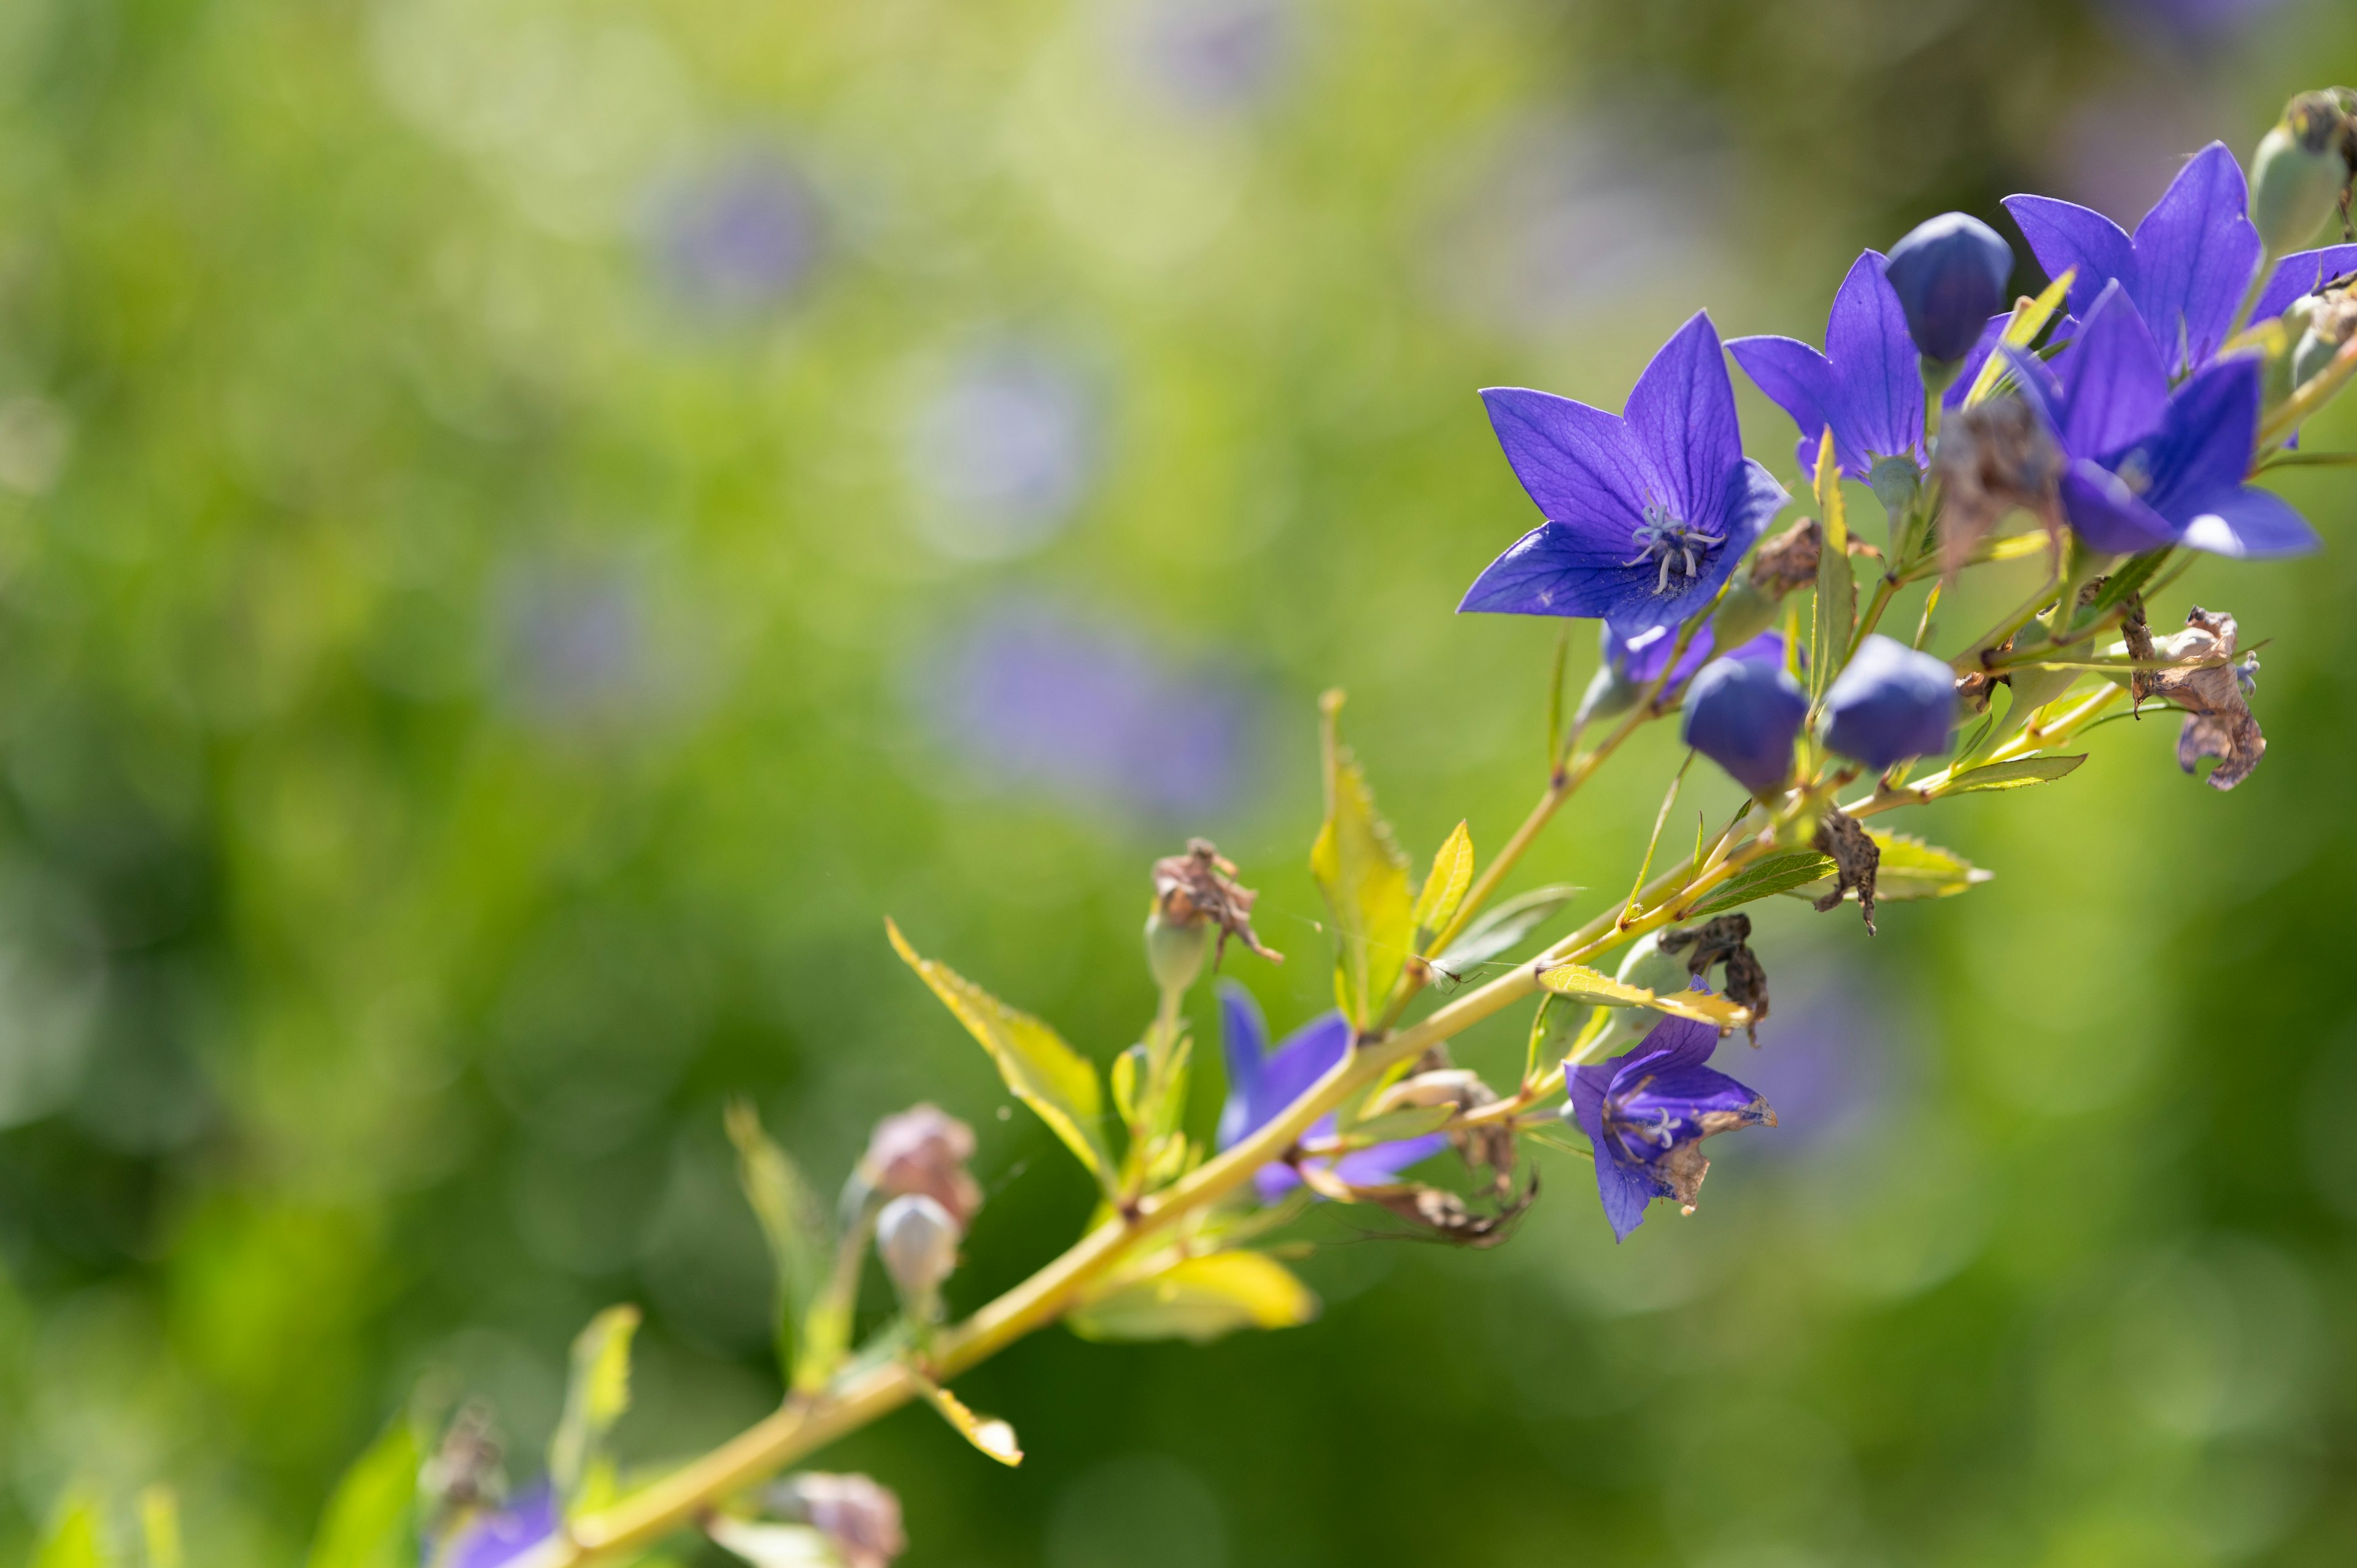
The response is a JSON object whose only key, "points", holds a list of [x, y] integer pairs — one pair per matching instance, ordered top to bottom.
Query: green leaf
{"points": [[2030, 318], [2131, 574], [1837, 610], [2014, 775], [1909, 868], [1363, 873], [1777, 873], [1444, 888], [1502, 929], [1593, 985], [1055, 1080], [1546, 1138], [792, 1222], [1199, 1299], [987, 1433], [578, 1465], [370, 1520], [159, 1527], [72, 1540], [766, 1545]]}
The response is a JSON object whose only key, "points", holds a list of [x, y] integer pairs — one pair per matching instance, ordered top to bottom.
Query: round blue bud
{"points": [[1948, 273], [1891, 703], [1742, 713]]}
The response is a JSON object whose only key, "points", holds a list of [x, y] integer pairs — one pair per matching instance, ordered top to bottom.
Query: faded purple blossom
{"points": [[1214, 57], [739, 235], [1868, 385], [1003, 450], [2149, 467], [1647, 513], [1034, 697], [1888, 704], [1261, 1082], [1646, 1114], [924, 1151], [859, 1515], [488, 1539]]}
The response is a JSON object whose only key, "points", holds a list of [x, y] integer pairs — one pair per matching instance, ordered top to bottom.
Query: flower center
{"points": [[2136, 471], [1678, 547]]}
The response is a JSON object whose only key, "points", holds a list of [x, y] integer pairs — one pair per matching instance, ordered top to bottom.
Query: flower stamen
{"points": [[1672, 542]]}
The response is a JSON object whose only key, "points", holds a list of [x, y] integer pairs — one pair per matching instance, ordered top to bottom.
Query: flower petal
{"points": [[2064, 235], [2195, 252], [2302, 273], [1797, 378], [2117, 391], [1877, 399], [1682, 426], [2204, 446], [1574, 461], [2108, 514], [2251, 522], [1553, 570], [1243, 1041], [1671, 1046], [1300, 1061], [1367, 1168]]}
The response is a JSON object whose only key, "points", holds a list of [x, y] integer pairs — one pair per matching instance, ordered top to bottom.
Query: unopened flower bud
{"points": [[2299, 170], [1950, 274], [1748, 610], [1892, 703], [1743, 714], [1175, 953], [924, 1150], [918, 1239], [860, 1516]]}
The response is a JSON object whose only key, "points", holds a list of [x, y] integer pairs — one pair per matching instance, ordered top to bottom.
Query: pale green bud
{"points": [[2300, 171], [2309, 357], [1175, 953], [918, 1240]]}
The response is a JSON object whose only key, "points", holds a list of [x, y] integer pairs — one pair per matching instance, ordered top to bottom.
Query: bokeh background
{"points": [[528, 526]]}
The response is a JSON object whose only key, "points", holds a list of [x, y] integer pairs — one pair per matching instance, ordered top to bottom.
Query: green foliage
{"points": [[1837, 597], [2017, 774], [1909, 868], [1359, 869], [1779, 873], [1444, 886], [1501, 929], [1584, 984], [1056, 1081], [794, 1226], [1199, 1299], [989, 1435], [579, 1466], [371, 1517], [72, 1540]]}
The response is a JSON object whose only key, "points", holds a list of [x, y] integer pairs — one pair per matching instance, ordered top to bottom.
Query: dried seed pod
{"points": [[1855, 858]]}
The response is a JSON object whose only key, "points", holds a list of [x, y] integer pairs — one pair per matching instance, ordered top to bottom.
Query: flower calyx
{"points": [[922, 1150]]}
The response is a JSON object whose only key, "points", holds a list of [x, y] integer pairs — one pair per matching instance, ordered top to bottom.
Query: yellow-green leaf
{"points": [[2030, 318], [1836, 608], [2014, 775], [1909, 868], [1777, 873], [1363, 875], [1444, 888], [1501, 930], [1593, 985], [1056, 1081], [792, 1222], [1199, 1299], [987, 1433], [578, 1465], [369, 1518], [159, 1527], [72, 1540], [768, 1545]]}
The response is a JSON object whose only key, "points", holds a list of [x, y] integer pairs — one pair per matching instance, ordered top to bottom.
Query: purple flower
{"points": [[742, 235], [2186, 267], [2303, 272], [1950, 274], [1867, 384], [2148, 467], [1646, 513], [1638, 660], [1891, 703], [1742, 713], [1261, 1084], [1646, 1114], [486, 1540]]}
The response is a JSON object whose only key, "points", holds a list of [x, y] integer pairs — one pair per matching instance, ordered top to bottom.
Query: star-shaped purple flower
{"points": [[1868, 385], [2149, 467], [1646, 512], [1261, 1084], [1646, 1114]]}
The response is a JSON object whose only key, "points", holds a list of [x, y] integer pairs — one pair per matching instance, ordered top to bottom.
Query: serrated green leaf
{"points": [[2030, 318], [2130, 576], [1836, 605], [2014, 775], [1909, 868], [1359, 869], [1777, 873], [1444, 886], [1502, 929], [1593, 985], [1056, 1081], [792, 1222], [1199, 1299], [598, 1392], [370, 1520], [72, 1538]]}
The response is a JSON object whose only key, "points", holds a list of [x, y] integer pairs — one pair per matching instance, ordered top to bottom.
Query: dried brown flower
{"points": [[1994, 457], [1789, 561], [2218, 721], [1856, 859], [1200, 886], [1725, 941], [923, 1150], [861, 1516]]}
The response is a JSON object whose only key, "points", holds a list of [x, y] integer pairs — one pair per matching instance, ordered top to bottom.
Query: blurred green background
{"points": [[528, 526]]}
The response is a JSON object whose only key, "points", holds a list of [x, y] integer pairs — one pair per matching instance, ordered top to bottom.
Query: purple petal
{"points": [[2064, 235], [2195, 252], [2304, 272], [1970, 370], [1798, 379], [2118, 391], [1877, 400], [1682, 425], [2204, 446], [1575, 462], [2108, 514], [2251, 522], [1553, 570], [1243, 1041], [1671, 1046], [1305, 1056], [1690, 1094], [1624, 1186], [488, 1540]]}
